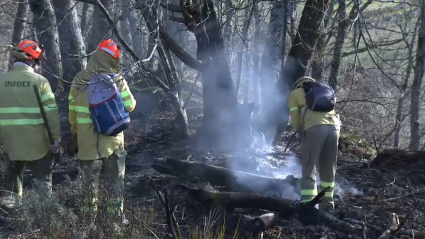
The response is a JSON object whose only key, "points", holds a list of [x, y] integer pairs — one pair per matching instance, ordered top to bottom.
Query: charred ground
{"points": [[369, 192]]}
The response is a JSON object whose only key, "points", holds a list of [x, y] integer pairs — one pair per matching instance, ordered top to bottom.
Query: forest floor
{"points": [[367, 194]]}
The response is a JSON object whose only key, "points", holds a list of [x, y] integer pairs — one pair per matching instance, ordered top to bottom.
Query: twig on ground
{"points": [[418, 192], [395, 226], [174, 227]]}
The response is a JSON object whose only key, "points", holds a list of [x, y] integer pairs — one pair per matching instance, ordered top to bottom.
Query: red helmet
{"points": [[110, 47], [29, 50]]}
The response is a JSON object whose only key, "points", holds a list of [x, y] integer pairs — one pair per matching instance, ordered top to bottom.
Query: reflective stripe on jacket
{"points": [[79, 113], [24, 135]]}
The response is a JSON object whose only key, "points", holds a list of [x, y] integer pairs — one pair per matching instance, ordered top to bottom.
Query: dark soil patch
{"points": [[366, 188]]}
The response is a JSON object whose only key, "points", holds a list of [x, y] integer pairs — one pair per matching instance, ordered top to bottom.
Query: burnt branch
{"points": [[171, 222]]}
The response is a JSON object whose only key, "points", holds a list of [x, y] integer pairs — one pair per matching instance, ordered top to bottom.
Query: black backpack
{"points": [[319, 96]]}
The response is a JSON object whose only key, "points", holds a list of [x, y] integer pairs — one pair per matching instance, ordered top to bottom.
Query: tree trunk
{"points": [[230, 11], [292, 12], [84, 23], [19, 24], [45, 24], [100, 29], [125, 33], [136, 36], [304, 43], [339, 43], [72, 44], [243, 44], [256, 54], [298, 58], [318, 61], [270, 62], [174, 91], [404, 93], [222, 118], [415, 129]]}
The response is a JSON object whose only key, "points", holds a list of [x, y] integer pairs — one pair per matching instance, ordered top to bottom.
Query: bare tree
{"points": [[85, 23], [19, 24], [45, 25], [343, 27], [100, 29], [125, 31], [136, 32], [71, 40], [244, 43], [272, 56], [318, 61], [296, 64], [404, 92], [415, 127]]}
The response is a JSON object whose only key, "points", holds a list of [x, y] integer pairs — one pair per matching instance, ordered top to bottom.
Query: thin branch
{"points": [[171, 7], [176, 19], [127, 47], [191, 92]]}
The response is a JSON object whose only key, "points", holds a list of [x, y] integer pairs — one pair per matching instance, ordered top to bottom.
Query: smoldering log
{"points": [[219, 176], [233, 200], [305, 212]]}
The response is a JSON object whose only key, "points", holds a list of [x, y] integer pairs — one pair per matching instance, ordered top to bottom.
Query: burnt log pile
{"points": [[246, 191]]}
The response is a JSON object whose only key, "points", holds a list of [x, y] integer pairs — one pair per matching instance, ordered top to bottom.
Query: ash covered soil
{"points": [[368, 192]]}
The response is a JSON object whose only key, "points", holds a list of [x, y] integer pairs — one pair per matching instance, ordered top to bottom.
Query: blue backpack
{"points": [[106, 106]]}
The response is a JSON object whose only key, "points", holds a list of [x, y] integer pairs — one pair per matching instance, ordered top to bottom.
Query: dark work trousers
{"points": [[41, 170], [114, 172]]}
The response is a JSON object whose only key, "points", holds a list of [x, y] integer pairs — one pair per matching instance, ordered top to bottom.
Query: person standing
{"points": [[311, 105], [22, 127], [98, 148]]}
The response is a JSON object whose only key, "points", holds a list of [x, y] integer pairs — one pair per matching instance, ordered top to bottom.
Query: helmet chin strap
{"points": [[35, 64]]}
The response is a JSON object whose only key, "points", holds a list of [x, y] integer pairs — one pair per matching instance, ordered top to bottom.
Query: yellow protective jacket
{"points": [[297, 106], [79, 113], [24, 135]]}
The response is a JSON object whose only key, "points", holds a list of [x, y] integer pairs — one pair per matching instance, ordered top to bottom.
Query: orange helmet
{"points": [[110, 47], [28, 50]]}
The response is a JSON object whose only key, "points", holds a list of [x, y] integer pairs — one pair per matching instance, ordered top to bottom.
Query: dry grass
{"points": [[42, 214]]}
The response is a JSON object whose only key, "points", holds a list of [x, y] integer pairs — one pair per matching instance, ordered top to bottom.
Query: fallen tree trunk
{"points": [[232, 180], [305, 212]]}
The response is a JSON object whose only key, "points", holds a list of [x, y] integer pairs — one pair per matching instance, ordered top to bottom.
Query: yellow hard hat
{"points": [[301, 81]]}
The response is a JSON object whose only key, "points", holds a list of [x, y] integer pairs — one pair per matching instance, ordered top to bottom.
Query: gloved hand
{"points": [[72, 146], [55, 147], [56, 150]]}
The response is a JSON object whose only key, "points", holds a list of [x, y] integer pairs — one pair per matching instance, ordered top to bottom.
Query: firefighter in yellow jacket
{"points": [[22, 127], [319, 131], [96, 151]]}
